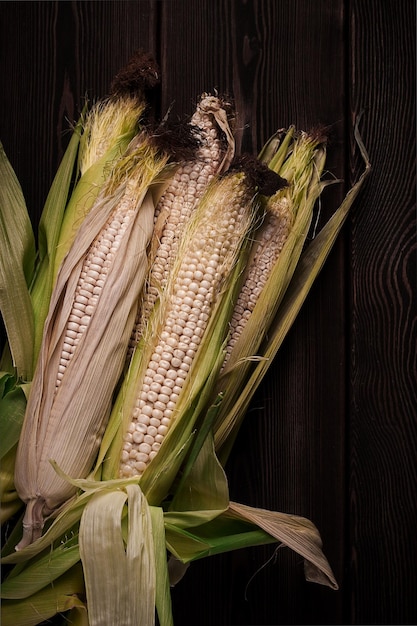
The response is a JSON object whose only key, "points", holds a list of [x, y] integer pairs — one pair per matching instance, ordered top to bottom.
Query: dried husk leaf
{"points": [[297, 533], [118, 562]]}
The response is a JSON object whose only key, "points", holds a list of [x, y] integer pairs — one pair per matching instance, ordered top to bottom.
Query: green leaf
{"points": [[277, 148], [49, 229], [17, 258], [7, 381], [12, 411], [204, 432], [205, 489], [10, 501], [220, 535], [42, 572], [119, 572], [163, 595], [57, 598]]}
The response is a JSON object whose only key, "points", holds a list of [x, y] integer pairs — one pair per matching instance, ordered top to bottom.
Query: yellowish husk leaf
{"points": [[297, 533], [118, 561], [62, 596]]}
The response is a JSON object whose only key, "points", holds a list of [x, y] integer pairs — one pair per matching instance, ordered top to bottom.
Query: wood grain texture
{"points": [[331, 433], [383, 477]]}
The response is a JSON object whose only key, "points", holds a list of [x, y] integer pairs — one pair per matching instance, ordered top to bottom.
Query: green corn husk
{"points": [[17, 263], [127, 550], [60, 597]]}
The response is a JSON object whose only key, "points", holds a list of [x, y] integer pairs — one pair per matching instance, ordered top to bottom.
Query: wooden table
{"points": [[331, 434]]}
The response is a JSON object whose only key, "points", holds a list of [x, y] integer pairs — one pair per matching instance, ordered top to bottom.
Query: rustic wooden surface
{"points": [[331, 434]]}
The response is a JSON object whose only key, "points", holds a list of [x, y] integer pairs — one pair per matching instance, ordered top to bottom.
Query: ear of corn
{"points": [[211, 126], [107, 129], [103, 132], [269, 241], [279, 241], [275, 258], [303, 275], [91, 314], [198, 522]]}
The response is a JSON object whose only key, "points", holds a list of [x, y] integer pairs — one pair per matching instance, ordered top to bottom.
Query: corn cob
{"points": [[210, 124], [300, 160], [267, 247], [92, 279], [174, 336], [85, 340]]}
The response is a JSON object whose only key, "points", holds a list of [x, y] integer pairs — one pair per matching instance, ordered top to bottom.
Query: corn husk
{"points": [[17, 262], [131, 560]]}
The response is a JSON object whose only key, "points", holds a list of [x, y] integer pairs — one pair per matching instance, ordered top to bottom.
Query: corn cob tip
{"points": [[141, 73], [214, 102], [319, 134], [176, 138], [261, 177]]}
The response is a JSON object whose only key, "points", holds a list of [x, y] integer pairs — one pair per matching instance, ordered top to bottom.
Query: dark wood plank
{"points": [[28, 96], [383, 477]]}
